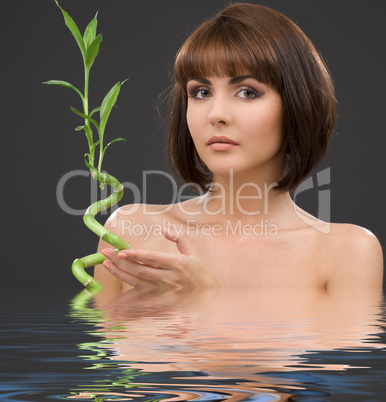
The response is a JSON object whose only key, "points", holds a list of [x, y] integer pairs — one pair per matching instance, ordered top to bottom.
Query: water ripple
{"points": [[221, 350]]}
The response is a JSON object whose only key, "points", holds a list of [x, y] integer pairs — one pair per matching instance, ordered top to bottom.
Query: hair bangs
{"points": [[226, 50]]}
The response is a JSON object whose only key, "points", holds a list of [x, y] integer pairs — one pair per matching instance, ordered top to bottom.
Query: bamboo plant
{"points": [[89, 46]]}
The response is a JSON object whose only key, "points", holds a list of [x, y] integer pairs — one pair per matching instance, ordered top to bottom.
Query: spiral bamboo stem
{"points": [[79, 265]]}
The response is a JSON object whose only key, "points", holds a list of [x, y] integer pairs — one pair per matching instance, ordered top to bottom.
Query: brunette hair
{"points": [[272, 48]]}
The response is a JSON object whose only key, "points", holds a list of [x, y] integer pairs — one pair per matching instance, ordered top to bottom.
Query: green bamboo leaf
{"points": [[70, 23], [90, 31], [92, 51], [65, 85], [109, 99], [107, 104], [97, 109], [85, 117], [79, 128], [88, 132], [116, 140], [111, 142], [95, 145], [92, 149], [90, 159], [89, 165]]}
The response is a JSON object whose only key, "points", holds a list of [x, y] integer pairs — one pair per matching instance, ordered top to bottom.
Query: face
{"points": [[236, 123]]}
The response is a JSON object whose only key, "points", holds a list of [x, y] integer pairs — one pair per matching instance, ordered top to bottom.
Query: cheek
{"points": [[274, 116], [189, 120], [194, 122], [266, 126]]}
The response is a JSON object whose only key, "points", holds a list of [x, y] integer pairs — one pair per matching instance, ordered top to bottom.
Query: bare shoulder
{"points": [[356, 239], [355, 257]]}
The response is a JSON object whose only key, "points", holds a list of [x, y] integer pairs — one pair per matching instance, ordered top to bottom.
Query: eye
{"points": [[199, 93], [248, 93]]}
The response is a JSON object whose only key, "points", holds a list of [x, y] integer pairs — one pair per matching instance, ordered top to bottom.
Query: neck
{"points": [[234, 198]]}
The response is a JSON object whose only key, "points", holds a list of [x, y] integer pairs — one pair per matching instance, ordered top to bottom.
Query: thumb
{"points": [[182, 241]]}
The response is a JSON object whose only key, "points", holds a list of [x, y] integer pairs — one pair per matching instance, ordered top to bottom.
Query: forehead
{"points": [[220, 59]]}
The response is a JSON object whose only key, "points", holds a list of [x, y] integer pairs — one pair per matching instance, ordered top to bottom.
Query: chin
{"points": [[222, 171]]}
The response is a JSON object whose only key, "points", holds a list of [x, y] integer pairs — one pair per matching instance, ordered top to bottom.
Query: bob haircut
{"points": [[253, 39]]}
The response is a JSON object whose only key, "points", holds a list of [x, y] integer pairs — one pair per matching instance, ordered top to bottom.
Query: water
{"points": [[230, 346]]}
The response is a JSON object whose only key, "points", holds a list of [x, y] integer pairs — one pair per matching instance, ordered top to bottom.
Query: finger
{"points": [[169, 234], [182, 241], [107, 252], [113, 255], [151, 258], [144, 264], [122, 272], [139, 274], [124, 276]]}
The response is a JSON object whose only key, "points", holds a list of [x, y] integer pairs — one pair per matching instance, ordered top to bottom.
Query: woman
{"points": [[251, 114]]}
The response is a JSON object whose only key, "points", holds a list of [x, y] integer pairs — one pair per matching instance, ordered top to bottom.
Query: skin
{"points": [[189, 247]]}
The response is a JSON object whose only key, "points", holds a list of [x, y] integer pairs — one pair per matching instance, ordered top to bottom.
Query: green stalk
{"points": [[89, 47], [85, 103], [85, 109], [100, 155], [79, 265]]}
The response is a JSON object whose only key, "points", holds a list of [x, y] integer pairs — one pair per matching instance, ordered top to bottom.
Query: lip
{"points": [[221, 142], [221, 146]]}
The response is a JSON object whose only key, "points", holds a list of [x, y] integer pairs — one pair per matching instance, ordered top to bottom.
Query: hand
{"points": [[161, 270]]}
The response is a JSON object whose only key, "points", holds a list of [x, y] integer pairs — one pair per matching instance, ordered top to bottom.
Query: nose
{"points": [[219, 112]]}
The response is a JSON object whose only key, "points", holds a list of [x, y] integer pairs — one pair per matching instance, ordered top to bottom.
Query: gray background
{"points": [[141, 38]]}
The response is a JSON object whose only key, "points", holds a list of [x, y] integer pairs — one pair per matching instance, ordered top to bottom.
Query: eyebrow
{"points": [[231, 81]]}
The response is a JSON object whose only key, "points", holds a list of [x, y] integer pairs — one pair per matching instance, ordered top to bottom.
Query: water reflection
{"points": [[227, 345]]}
